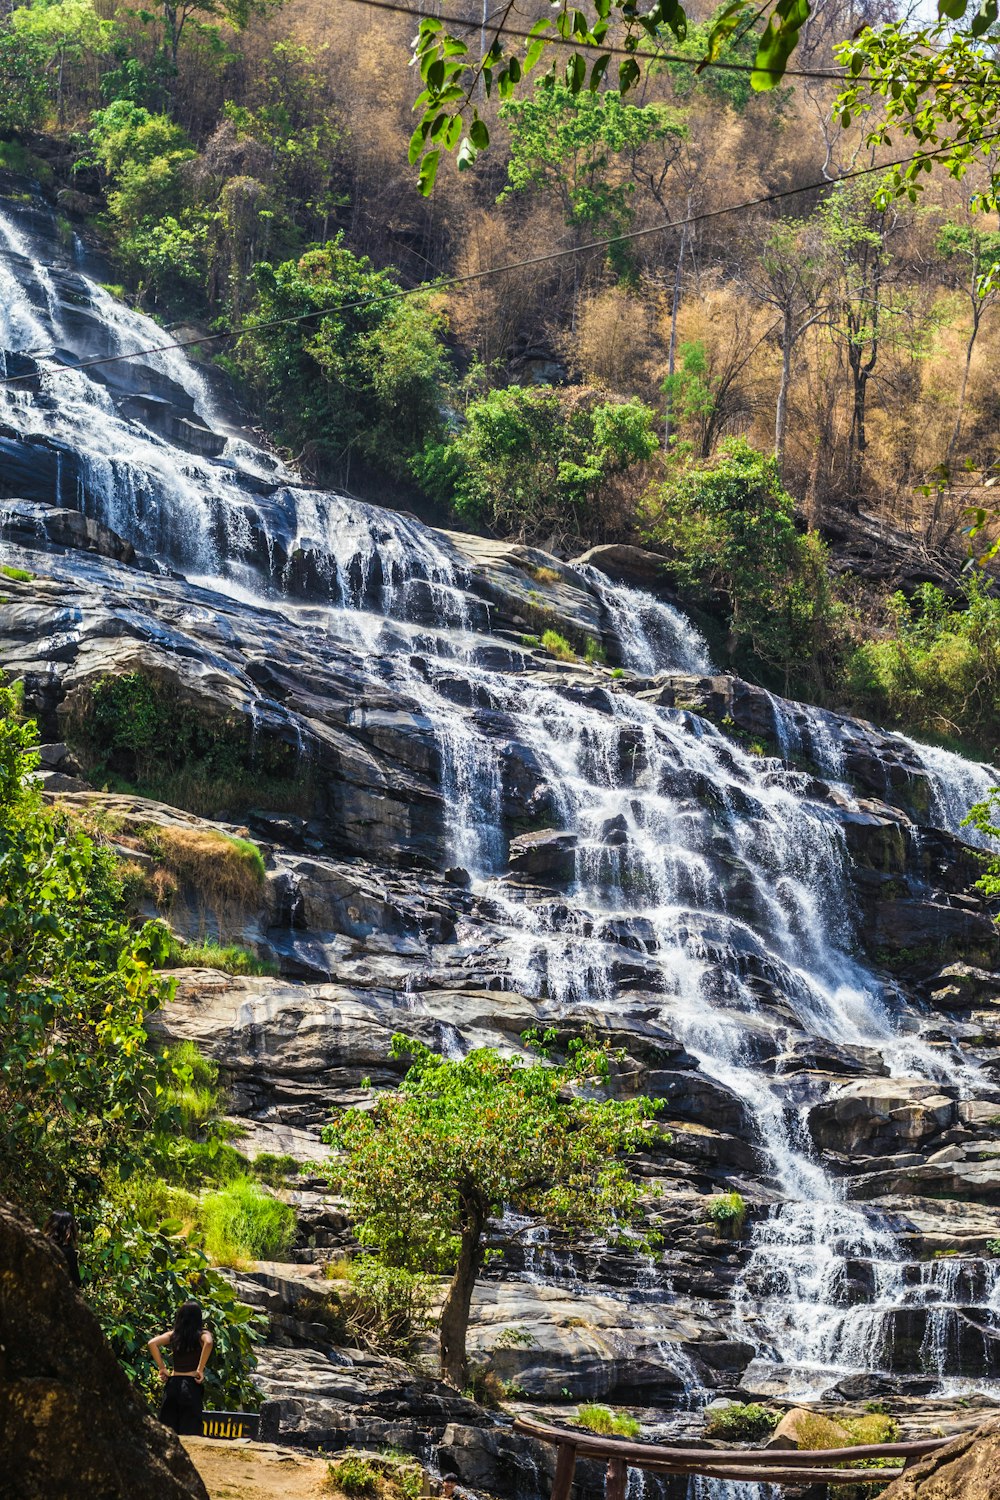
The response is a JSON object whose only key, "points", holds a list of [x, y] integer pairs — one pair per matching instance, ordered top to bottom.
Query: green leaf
{"points": [[479, 134], [428, 172]]}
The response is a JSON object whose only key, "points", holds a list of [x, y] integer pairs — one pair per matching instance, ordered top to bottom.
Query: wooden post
{"points": [[565, 1469], [617, 1480]]}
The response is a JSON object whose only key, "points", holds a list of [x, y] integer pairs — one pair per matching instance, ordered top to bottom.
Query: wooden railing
{"points": [[762, 1465]]}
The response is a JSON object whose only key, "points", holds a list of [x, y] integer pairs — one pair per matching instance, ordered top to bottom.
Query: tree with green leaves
{"points": [[69, 31], [934, 85], [25, 90], [587, 149], [361, 378], [541, 462], [729, 528], [78, 1084], [429, 1166]]}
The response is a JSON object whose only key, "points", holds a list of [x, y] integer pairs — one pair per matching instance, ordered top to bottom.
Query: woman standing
{"points": [[61, 1230], [190, 1344]]}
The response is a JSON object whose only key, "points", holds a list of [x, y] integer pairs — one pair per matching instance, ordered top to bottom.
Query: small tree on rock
{"points": [[431, 1164]]}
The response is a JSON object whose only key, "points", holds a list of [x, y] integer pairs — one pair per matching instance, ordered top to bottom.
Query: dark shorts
{"points": [[182, 1403]]}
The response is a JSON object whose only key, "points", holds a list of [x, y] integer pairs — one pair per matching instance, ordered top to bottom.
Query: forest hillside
{"points": [[742, 391]]}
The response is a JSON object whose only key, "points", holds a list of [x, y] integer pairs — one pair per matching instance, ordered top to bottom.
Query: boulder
{"points": [[624, 564], [549, 856], [960, 987], [879, 1116], [72, 1424], [788, 1433], [968, 1468]]}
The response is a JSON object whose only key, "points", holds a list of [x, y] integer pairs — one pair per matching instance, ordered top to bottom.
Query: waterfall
{"points": [[956, 784], [708, 882]]}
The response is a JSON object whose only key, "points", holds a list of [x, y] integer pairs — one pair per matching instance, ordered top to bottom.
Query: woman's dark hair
{"points": [[61, 1228], [186, 1337]]}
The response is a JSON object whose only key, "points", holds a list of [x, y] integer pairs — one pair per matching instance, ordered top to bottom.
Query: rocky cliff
{"points": [[770, 909]]}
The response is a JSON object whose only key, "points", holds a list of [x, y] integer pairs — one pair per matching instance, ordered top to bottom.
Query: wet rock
{"points": [[30, 521], [633, 566], [549, 857], [960, 986], [880, 1116], [72, 1424]]}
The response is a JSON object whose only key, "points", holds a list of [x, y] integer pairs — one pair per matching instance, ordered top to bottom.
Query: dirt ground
{"points": [[258, 1471]]}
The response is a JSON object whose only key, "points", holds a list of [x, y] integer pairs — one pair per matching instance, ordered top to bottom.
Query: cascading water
{"points": [[708, 881]]}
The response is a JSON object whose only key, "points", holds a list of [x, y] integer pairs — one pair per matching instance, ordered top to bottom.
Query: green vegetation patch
{"points": [[17, 575], [138, 734], [242, 1222], [608, 1423], [741, 1423]]}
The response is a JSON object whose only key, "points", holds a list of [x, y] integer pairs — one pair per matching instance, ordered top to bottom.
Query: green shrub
{"points": [[534, 461], [729, 526], [18, 575], [558, 646], [594, 653], [935, 667], [273, 1169], [727, 1212], [241, 1222], [993, 1247], [135, 1278], [386, 1307], [608, 1423], [741, 1423], [356, 1476]]}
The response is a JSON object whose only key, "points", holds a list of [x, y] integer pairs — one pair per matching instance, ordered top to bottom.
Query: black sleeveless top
{"points": [[187, 1363]]}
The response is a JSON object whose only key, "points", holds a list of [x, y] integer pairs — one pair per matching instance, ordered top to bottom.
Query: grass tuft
{"points": [[558, 646], [242, 1222], [608, 1423]]}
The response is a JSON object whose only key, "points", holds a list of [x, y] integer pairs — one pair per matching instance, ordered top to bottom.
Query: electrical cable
{"points": [[443, 282]]}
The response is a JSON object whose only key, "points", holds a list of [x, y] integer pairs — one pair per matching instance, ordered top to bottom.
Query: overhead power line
{"points": [[395, 7], [443, 282]]}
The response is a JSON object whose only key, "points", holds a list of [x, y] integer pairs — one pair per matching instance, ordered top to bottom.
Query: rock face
{"points": [[768, 910], [72, 1425], [967, 1469]]}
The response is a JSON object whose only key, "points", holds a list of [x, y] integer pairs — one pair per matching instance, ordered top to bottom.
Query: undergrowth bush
{"points": [[934, 668], [136, 733], [241, 1222], [386, 1306], [741, 1422], [608, 1423]]}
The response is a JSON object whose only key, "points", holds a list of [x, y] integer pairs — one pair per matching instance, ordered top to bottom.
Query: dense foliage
{"points": [[366, 374], [555, 464], [730, 530], [938, 672], [78, 1085], [88, 1108], [427, 1166]]}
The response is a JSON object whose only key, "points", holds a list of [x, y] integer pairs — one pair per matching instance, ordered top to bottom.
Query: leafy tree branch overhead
{"points": [[602, 33]]}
